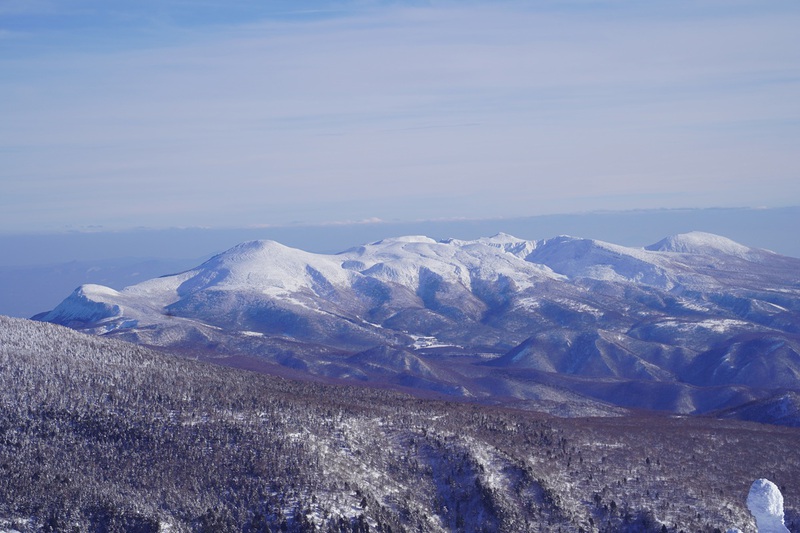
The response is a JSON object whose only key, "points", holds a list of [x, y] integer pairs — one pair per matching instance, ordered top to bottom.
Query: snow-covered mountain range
{"points": [[695, 323]]}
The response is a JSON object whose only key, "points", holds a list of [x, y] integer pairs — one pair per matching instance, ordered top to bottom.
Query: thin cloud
{"points": [[413, 112]]}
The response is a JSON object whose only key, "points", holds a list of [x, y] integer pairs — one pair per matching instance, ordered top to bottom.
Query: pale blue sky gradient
{"points": [[221, 114]]}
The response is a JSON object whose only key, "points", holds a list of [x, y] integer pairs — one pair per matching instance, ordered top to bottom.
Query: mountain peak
{"points": [[699, 242], [510, 244], [256, 247], [87, 303]]}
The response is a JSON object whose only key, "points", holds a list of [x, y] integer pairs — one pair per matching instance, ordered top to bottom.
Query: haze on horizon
{"points": [[174, 114]]}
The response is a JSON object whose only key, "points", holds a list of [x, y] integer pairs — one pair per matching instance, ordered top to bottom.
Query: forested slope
{"points": [[97, 435]]}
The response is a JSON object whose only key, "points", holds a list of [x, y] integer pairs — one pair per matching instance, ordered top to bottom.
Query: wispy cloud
{"points": [[403, 111]]}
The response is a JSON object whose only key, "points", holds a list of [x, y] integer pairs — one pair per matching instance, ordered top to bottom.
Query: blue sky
{"points": [[218, 114]]}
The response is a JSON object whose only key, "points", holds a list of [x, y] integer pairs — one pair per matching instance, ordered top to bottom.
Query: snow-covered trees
{"points": [[105, 436], [765, 502]]}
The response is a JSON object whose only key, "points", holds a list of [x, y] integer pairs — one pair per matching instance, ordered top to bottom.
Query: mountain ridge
{"points": [[470, 314]]}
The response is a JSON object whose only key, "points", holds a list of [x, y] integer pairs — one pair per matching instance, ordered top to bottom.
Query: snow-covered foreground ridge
{"points": [[691, 310], [100, 435]]}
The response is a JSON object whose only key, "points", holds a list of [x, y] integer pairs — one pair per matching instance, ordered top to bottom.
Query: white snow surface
{"points": [[510, 244], [401, 260], [266, 265], [765, 502]]}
